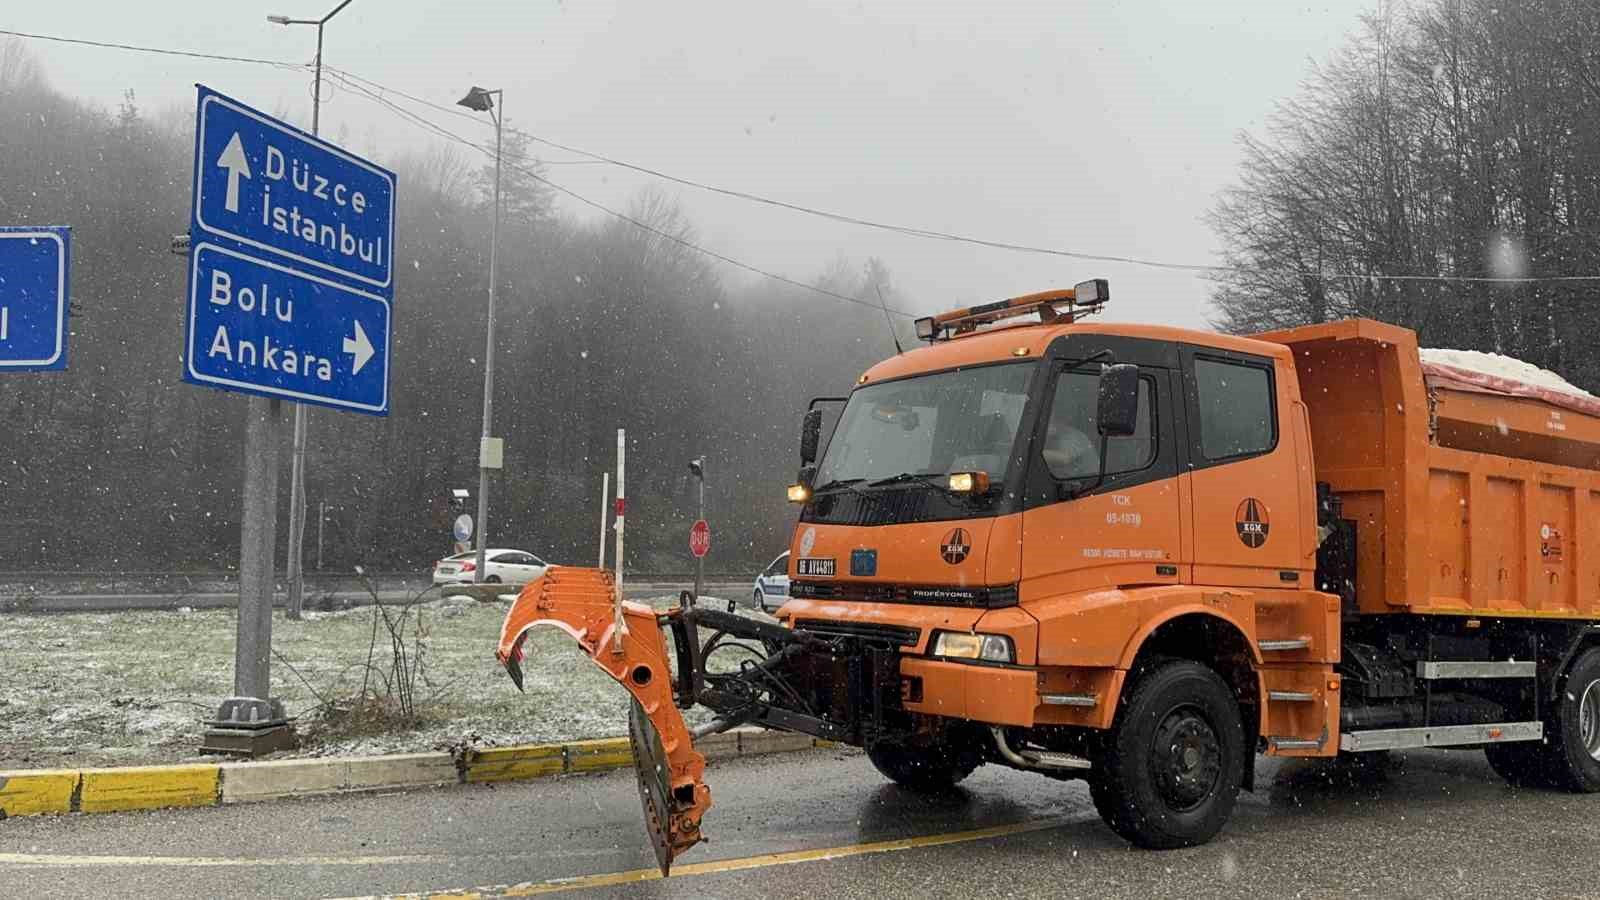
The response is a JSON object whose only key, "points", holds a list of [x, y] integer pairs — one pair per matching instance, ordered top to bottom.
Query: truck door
{"points": [[1245, 480], [1077, 535]]}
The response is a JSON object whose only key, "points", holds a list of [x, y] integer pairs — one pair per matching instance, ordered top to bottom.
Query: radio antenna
{"points": [[888, 321]]}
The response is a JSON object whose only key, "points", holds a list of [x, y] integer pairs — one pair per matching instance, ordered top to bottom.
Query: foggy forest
{"points": [[116, 465]]}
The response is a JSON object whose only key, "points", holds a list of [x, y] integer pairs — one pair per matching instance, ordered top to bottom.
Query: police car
{"points": [[772, 585]]}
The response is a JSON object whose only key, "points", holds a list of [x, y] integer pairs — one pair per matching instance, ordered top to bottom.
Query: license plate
{"points": [[816, 566], [448, 570]]}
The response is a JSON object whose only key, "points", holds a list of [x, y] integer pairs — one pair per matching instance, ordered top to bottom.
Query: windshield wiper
{"points": [[910, 477], [844, 484]]}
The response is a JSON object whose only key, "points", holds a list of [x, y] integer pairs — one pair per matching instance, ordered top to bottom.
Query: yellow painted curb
{"points": [[600, 755], [514, 763], [148, 787], [31, 792], [34, 792]]}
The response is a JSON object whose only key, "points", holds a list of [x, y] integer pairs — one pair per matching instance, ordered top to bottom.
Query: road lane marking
{"points": [[610, 879]]}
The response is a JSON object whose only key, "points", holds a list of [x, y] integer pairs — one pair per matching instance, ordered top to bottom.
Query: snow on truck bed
{"points": [[1473, 370]]}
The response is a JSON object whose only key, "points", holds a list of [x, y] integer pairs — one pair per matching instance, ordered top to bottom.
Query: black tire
{"points": [[492, 579], [761, 601], [1572, 736], [1521, 764], [930, 769], [1170, 770]]}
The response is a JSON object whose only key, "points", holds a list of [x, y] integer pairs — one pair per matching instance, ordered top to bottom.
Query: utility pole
{"points": [[480, 100], [297, 470], [322, 520]]}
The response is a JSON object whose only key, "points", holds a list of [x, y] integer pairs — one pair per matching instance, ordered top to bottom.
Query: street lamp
{"points": [[481, 100], [297, 476]]}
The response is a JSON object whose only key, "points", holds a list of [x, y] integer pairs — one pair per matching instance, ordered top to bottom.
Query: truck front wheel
{"points": [[1170, 770]]}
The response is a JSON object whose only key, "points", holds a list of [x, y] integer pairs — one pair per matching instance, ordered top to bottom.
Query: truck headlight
{"points": [[960, 645]]}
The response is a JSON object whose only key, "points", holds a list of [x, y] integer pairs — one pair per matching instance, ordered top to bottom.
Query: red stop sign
{"points": [[700, 538]]}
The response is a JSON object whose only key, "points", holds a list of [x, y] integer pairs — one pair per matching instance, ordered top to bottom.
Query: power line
{"points": [[159, 50], [350, 79], [912, 231], [676, 239]]}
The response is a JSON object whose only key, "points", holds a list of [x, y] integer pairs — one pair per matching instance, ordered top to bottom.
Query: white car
{"points": [[502, 566], [772, 585]]}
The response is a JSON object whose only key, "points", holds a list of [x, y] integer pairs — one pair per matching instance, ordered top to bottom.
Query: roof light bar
{"points": [[1084, 298]]}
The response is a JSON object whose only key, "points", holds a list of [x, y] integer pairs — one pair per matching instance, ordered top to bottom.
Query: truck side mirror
{"points": [[1117, 414], [810, 436]]}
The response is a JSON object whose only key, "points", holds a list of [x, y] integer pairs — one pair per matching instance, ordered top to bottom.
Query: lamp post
{"points": [[480, 100], [297, 471]]}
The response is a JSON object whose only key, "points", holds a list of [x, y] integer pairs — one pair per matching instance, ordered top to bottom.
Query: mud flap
{"points": [[580, 602]]}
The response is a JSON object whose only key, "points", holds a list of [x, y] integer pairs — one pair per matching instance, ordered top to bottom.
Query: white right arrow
{"points": [[233, 160], [360, 348]]}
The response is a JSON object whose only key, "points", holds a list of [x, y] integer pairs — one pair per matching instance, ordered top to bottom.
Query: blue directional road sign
{"points": [[34, 265], [291, 274], [262, 327]]}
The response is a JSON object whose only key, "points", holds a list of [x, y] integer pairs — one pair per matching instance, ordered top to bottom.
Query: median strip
{"points": [[43, 791]]}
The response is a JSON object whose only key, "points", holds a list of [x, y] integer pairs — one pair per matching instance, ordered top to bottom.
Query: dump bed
{"points": [[1471, 494]]}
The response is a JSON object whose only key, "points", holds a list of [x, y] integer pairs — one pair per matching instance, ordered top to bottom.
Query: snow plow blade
{"points": [[581, 602]]}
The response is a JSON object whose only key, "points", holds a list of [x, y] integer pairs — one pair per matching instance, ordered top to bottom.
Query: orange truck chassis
{"points": [[1141, 556]]}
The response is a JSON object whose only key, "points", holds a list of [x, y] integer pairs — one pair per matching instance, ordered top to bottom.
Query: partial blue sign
{"points": [[283, 193], [34, 268], [291, 275], [262, 327]]}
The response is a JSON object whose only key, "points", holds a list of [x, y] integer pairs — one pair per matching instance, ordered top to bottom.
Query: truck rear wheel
{"points": [[1572, 740], [1521, 764], [933, 768], [1171, 768]]}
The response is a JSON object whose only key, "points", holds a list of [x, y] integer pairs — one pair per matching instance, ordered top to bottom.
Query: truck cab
{"points": [[1025, 603]]}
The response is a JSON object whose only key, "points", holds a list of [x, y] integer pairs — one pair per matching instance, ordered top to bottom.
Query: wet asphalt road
{"points": [[1435, 824]]}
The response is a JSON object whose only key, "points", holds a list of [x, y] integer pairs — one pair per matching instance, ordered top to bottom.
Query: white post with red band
{"points": [[605, 509], [620, 626]]}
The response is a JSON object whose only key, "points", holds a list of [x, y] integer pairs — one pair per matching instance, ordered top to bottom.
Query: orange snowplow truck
{"points": [[1142, 555]]}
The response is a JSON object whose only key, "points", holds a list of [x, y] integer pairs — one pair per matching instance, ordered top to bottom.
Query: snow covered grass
{"points": [[136, 687]]}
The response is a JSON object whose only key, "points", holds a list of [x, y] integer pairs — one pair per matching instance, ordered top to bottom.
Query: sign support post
{"points": [[250, 722]]}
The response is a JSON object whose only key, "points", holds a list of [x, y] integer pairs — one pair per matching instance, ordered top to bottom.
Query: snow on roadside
{"points": [[1495, 365], [135, 687]]}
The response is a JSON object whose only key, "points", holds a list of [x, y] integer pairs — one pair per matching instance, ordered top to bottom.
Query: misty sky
{"points": [[1096, 127]]}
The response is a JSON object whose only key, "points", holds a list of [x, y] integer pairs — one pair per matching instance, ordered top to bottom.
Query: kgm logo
{"points": [[1252, 522], [955, 546]]}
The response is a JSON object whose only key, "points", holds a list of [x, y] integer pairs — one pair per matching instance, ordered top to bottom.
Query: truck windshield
{"points": [[959, 421]]}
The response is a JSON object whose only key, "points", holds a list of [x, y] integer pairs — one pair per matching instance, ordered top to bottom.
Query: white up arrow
{"points": [[233, 160], [360, 348]]}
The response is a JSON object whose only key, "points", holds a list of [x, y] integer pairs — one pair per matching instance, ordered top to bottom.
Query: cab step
{"points": [[1278, 646], [1291, 696]]}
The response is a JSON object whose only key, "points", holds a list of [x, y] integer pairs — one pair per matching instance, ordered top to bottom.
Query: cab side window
{"points": [[1236, 417], [1072, 437]]}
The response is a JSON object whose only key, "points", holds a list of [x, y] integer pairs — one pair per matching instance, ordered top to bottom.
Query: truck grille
{"points": [[932, 595], [891, 634]]}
